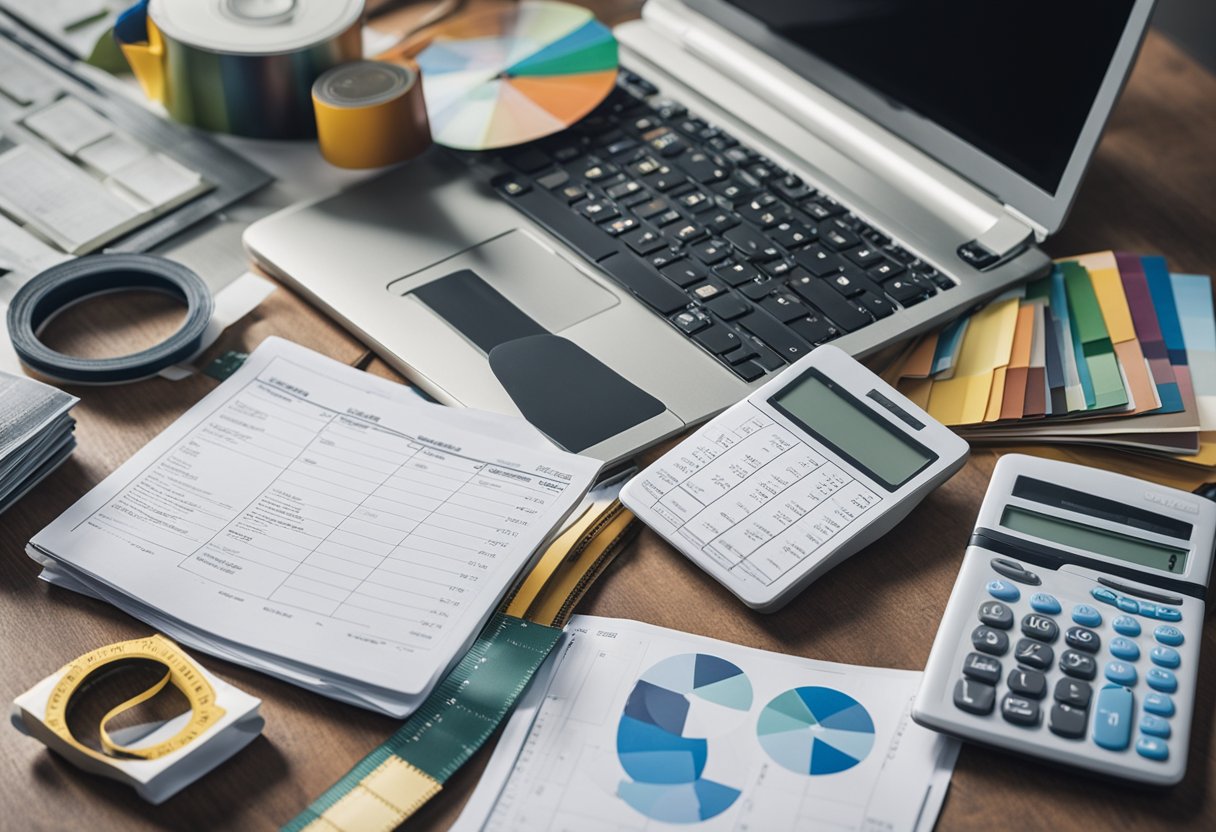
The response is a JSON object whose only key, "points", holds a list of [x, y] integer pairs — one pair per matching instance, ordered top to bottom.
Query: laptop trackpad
{"points": [[569, 394]]}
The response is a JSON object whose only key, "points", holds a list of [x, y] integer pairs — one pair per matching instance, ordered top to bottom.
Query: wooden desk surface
{"points": [[1152, 187]]}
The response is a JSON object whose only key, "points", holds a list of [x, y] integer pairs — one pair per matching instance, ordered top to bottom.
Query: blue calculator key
{"points": [[1003, 591], [1104, 595], [1044, 603], [1130, 605], [1146, 608], [1168, 614], [1086, 616], [1125, 625], [1168, 635], [1125, 648], [1165, 656], [1121, 673], [1161, 680], [1159, 704], [1113, 717], [1155, 726], [1152, 748]]}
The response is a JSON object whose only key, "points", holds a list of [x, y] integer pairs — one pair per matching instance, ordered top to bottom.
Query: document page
{"points": [[303, 510]]}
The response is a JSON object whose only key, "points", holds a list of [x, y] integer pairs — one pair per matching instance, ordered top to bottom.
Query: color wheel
{"points": [[510, 73], [815, 731], [661, 738]]}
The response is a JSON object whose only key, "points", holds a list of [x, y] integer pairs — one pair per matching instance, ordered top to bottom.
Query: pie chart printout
{"points": [[510, 73], [815, 731], [665, 737]]}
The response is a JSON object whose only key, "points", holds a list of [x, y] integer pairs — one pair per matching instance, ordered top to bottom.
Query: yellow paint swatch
{"points": [[967, 398]]}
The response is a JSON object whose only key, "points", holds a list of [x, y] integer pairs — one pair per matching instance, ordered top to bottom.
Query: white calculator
{"points": [[808, 469], [1073, 631]]}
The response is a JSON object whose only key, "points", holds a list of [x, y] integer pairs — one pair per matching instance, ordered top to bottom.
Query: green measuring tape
{"points": [[390, 784]]}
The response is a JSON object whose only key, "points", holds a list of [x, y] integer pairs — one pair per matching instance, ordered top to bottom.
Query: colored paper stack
{"points": [[1110, 349]]}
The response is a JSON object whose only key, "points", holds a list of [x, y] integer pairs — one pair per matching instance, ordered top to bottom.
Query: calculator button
{"points": [[1015, 572], [1003, 591], [1104, 595], [1044, 603], [1133, 606], [996, 614], [1168, 614], [1086, 616], [1125, 625], [1040, 627], [1168, 635], [1083, 639], [990, 641], [1124, 648], [1034, 654], [1165, 656], [1078, 665], [982, 668], [1121, 673], [1161, 680], [1029, 683], [1073, 692], [974, 697], [1159, 704], [1019, 710], [1113, 717], [1067, 721], [1155, 726], [1152, 748]]}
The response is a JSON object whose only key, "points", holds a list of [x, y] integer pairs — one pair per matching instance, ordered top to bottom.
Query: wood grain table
{"points": [[1152, 188]]}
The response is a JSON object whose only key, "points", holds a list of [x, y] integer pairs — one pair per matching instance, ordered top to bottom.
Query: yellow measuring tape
{"points": [[179, 669]]}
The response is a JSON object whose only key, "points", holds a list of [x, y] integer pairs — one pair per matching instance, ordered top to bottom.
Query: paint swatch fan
{"points": [[512, 73]]}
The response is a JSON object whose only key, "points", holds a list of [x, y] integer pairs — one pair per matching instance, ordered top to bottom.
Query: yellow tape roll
{"points": [[370, 114]]}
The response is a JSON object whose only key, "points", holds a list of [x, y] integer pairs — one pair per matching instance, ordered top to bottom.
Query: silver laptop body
{"points": [[599, 370]]}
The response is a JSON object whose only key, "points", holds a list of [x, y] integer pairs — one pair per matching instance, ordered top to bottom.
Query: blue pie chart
{"points": [[815, 731]]}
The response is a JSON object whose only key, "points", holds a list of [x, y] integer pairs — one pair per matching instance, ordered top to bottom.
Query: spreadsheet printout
{"points": [[300, 511]]}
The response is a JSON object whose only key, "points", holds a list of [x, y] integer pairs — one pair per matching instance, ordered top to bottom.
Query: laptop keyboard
{"points": [[747, 260]]}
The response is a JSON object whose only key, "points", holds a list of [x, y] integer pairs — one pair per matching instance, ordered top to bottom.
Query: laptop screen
{"points": [[1015, 79]]}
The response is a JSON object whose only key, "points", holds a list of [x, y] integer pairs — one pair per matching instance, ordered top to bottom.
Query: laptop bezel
{"points": [[1046, 210]]}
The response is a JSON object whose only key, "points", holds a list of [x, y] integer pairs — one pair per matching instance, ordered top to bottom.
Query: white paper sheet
{"points": [[69, 124], [304, 515], [592, 755]]}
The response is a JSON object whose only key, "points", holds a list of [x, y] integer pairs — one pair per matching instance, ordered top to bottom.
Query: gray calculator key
{"points": [[1014, 571], [996, 614], [1040, 627], [1083, 639], [990, 641], [1033, 653], [1078, 665], [982, 668], [1029, 683], [1074, 692], [974, 697], [1019, 710], [1067, 721]]}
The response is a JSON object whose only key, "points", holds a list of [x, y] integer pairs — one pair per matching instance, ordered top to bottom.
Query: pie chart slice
{"points": [[510, 73], [815, 731]]}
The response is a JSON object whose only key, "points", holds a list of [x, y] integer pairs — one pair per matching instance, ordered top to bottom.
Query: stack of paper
{"points": [[1111, 349], [36, 434], [322, 525], [635, 727]]}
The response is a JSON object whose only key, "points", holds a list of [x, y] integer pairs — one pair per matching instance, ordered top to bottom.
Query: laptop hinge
{"points": [[1040, 233]]}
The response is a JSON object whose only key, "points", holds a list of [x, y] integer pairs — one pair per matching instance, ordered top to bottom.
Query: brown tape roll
{"points": [[370, 114]]}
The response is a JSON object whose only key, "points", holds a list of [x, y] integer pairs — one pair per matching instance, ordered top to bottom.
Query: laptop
{"points": [[766, 177]]}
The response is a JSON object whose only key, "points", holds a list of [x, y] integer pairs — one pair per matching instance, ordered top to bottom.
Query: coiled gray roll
{"points": [[61, 286]]}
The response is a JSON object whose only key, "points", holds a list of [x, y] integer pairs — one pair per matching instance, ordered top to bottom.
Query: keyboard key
{"points": [[644, 165], [703, 167], [600, 171], [666, 179], [553, 180], [512, 186], [624, 189], [738, 189], [792, 189], [573, 193], [695, 202], [822, 208], [598, 210], [667, 218], [720, 221], [620, 225], [566, 226], [684, 232], [792, 234], [834, 235], [644, 241], [752, 244], [710, 252], [864, 256], [818, 261], [775, 268], [885, 270], [684, 273], [736, 274], [639, 278], [842, 283], [760, 289], [706, 291], [906, 293], [877, 305], [784, 306], [728, 307], [848, 317], [691, 320], [813, 329], [775, 335], [718, 339], [745, 352], [766, 358], [749, 371], [1045, 603], [996, 614], [1088, 616], [1124, 625], [1169, 635], [1083, 639], [990, 641], [1124, 648], [1033, 653], [1165, 657], [1078, 665], [982, 668], [1121, 673], [1162, 681], [1029, 683], [1073, 692], [974, 697], [1159, 704], [1018, 710], [1113, 717], [1067, 721], [1155, 726], [1152, 748]]}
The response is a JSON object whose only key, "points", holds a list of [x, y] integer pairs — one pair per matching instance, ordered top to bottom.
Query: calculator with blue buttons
{"points": [[1073, 631]]}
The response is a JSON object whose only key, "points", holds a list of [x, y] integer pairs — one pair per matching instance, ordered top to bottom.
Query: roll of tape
{"points": [[370, 114], [59, 287]]}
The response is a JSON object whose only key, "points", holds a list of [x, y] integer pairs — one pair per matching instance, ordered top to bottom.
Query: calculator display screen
{"points": [[852, 430], [1100, 541]]}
